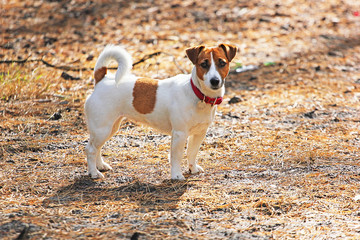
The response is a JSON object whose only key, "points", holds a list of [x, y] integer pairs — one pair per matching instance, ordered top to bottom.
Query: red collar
{"points": [[202, 97]]}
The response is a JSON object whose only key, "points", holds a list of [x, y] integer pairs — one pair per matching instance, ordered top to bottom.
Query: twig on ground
{"points": [[147, 57], [67, 68], [70, 68]]}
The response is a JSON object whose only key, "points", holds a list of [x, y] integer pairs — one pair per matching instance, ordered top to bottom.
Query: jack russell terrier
{"points": [[183, 106]]}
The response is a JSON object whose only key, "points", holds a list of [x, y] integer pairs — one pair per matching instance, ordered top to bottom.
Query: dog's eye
{"points": [[222, 63], [204, 64]]}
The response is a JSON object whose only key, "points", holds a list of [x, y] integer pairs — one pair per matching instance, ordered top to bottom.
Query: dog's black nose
{"points": [[214, 82]]}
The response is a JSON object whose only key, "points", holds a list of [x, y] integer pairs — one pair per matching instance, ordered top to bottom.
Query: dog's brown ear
{"points": [[229, 50], [194, 52]]}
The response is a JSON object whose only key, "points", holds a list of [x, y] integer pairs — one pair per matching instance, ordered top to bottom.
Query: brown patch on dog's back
{"points": [[100, 74], [144, 94]]}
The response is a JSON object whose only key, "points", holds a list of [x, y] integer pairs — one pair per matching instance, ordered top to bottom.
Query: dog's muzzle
{"points": [[216, 83]]}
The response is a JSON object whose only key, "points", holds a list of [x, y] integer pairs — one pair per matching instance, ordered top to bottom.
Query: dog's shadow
{"points": [[163, 196]]}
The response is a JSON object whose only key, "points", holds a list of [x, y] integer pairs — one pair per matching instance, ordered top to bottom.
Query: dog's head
{"points": [[212, 64]]}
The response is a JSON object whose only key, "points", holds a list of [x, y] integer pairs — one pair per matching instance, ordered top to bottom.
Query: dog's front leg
{"points": [[178, 140], [193, 147]]}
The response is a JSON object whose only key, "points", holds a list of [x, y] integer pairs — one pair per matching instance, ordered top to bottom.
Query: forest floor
{"points": [[281, 159]]}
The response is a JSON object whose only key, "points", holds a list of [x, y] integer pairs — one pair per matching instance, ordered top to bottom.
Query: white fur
{"points": [[120, 55], [212, 73], [177, 112]]}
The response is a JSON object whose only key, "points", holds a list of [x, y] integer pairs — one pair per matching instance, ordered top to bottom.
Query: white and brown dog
{"points": [[183, 106]]}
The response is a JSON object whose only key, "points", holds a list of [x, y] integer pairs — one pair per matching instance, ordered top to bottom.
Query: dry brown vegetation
{"points": [[281, 159]]}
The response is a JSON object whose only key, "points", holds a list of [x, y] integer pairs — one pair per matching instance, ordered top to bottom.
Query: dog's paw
{"points": [[103, 166], [195, 169], [96, 174], [178, 177]]}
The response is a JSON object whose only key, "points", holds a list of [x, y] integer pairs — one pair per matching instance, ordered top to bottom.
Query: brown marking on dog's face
{"points": [[201, 57], [221, 61], [100, 74], [144, 95]]}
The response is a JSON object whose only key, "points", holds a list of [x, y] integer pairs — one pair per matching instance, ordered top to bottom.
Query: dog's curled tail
{"points": [[117, 53]]}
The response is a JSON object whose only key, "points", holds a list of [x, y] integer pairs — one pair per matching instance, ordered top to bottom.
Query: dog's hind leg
{"points": [[98, 137], [100, 164]]}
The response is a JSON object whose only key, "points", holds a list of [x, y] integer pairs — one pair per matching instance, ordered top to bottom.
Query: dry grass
{"points": [[17, 85], [282, 163]]}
